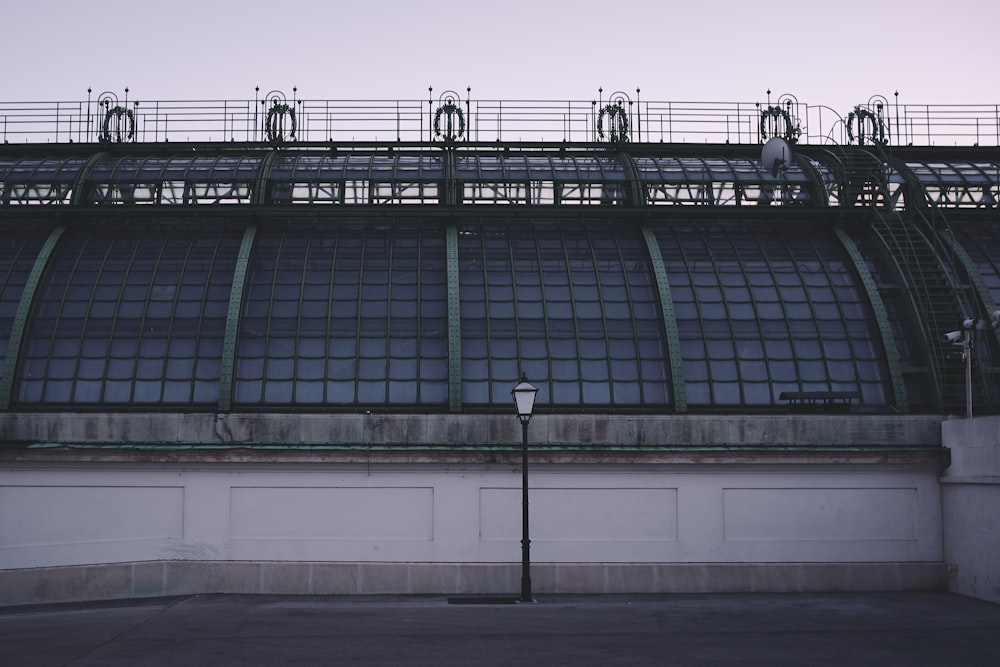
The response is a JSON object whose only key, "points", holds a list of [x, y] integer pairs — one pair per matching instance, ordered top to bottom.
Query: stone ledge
{"points": [[447, 431], [480, 456], [82, 583]]}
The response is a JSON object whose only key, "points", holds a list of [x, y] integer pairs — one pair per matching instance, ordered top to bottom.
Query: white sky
{"points": [[831, 53]]}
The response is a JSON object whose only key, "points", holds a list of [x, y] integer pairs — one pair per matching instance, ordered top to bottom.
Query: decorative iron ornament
{"points": [[277, 116], [777, 122], [118, 126], [618, 129], [453, 130], [875, 134]]}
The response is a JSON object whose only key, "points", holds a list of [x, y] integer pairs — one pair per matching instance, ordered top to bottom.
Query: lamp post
{"points": [[965, 339], [524, 400]]}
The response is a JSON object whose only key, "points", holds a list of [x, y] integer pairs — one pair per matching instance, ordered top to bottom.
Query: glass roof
{"points": [[338, 167], [559, 168], [705, 170], [478, 177], [356, 179], [542, 179], [38, 180], [173, 180], [720, 182], [959, 184], [982, 243], [18, 249], [321, 293], [574, 306], [766, 309], [345, 314], [131, 316]]}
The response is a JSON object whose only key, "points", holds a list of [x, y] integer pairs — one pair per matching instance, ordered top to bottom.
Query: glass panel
{"points": [[356, 179], [542, 179], [38, 180], [175, 180], [720, 182], [958, 184], [982, 242], [18, 250], [796, 279], [573, 314], [385, 315], [105, 330]]}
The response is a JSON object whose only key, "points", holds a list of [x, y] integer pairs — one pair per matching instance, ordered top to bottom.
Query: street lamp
{"points": [[965, 339], [524, 400]]}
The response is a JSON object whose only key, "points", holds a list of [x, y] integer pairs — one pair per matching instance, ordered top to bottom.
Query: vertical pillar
{"points": [[233, 319], [669, 320]]}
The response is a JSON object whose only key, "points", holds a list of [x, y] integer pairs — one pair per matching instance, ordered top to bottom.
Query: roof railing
{"points": [[448, 118]]}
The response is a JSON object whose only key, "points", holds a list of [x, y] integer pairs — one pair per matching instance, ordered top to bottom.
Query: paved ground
{"points": [[850, 629]]}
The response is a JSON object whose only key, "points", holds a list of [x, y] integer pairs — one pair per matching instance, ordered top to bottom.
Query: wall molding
{"points": [[151, 579]]}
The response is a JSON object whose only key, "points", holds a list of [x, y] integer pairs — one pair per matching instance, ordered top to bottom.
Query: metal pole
{"points": [[968, 374], [525, 542]]}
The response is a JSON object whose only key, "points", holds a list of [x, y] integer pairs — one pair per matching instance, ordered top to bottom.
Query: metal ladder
{"points": [[938, 297]]}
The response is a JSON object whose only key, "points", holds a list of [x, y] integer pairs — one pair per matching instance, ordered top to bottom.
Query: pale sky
{"points": [[825, 53]]}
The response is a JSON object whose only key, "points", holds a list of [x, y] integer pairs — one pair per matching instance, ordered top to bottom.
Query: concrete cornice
{"points": [[446, 431], [468, 439], [488, 457]]}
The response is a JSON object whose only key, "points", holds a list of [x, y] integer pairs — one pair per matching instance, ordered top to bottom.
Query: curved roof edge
{"points": [[472, 173]]}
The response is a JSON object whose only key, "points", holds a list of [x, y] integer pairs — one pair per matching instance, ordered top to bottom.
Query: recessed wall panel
{"points": [[320, 513], [820, 514], [60, 515], [597, 515]]}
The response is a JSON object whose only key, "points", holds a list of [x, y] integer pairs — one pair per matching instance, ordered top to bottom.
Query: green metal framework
{"points": [[561, 178], [41, 180], [721, 181], [586, 226], [571, 303], [764, 308], [881, 319], [233, 320], [669, 320], [15, 339]]}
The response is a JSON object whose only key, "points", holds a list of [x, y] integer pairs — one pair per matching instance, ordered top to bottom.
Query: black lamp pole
{"points": [[524, 400], [525, 542]]}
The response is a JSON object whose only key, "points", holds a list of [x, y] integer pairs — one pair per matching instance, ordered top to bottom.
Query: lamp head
{"points": [[524, 398]]}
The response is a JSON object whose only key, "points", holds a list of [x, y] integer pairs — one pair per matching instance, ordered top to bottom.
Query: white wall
{"points": [[98, 506], [971, 506], [82, 513]]}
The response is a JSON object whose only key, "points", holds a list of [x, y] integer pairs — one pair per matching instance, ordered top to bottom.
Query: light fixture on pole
{"points": [[965, 338], [524, 400]]}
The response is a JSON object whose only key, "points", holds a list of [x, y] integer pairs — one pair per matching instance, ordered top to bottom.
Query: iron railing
{"points": [[275, 118]]}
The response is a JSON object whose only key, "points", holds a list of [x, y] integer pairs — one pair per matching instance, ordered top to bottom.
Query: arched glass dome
{"points": [[428, 279]]}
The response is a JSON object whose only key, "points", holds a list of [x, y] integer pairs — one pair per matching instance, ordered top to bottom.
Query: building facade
{"points": [[284, 362]]}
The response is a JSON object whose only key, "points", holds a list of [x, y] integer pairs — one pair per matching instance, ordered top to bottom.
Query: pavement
{"points": [[885, 629]]}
